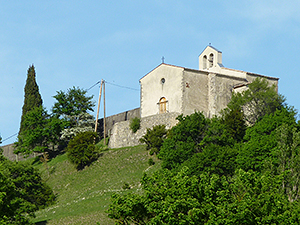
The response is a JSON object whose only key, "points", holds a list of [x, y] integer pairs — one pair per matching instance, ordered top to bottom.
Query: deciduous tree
{"points": [[258, 100], [69, 105], [43, 131], [183, 139], [22, 192]]}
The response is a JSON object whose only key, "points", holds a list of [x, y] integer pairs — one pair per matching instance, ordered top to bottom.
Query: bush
{"points": [[135, 124], [154, 138], [81, 150], [151, 162], [125, 186], [22, 192]]}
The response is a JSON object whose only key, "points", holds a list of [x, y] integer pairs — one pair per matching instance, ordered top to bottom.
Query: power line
{"points": [[117, 85], [93, 86], [134, 89], [10, 137]]}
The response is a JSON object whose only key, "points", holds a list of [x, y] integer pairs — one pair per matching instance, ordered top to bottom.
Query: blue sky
{"points": [[77, 43]]}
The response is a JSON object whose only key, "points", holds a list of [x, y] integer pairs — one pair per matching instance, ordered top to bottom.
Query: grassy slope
{"points": [[84, 196]]}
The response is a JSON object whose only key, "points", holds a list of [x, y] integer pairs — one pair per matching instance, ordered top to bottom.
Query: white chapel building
{"points": [[169, 88], [168, 91]]}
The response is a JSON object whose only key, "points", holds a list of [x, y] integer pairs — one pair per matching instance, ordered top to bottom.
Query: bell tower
{"points": [[210, 59]]}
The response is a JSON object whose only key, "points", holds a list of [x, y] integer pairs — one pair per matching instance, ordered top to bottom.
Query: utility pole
{"points": [[96, 123], [104, 125]]}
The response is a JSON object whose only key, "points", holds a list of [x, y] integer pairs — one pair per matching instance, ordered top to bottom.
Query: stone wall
{"points": [[111, 120], [122, 136], [8, 152]]}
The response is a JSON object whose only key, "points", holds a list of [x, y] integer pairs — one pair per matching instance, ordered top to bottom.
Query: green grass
{"points": [[84, 196]]}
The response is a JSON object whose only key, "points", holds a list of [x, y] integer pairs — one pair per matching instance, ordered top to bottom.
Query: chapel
{"points": [[174, 89]]}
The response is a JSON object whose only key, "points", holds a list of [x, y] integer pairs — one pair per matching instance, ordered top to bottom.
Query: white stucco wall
{"points": [[152, 89], [207, 90], [195, 92]]}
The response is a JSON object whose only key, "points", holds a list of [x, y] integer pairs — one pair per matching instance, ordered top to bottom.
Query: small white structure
{"points": [[169, 88]]}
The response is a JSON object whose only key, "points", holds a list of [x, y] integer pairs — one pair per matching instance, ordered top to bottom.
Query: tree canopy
{"points": [[32, 97], [258, 100], [72, 103], [42, 132], [22, 192]]}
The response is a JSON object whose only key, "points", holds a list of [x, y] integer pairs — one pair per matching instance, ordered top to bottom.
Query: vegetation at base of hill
{"points": [[135, 124], [220, 171], [22, 192]]}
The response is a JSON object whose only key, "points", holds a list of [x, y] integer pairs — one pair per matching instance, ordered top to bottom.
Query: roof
{"points": [[210, 47], [196, 70]]}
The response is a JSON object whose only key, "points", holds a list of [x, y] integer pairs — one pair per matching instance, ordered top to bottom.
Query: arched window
{"points": [[211, 60], [204, 62], [163, 105]]}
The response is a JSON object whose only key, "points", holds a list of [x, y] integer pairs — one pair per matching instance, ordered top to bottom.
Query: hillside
{"points": [[84, 196]]}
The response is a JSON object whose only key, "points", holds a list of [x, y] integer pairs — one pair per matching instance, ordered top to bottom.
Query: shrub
{"points": [[135, 124], [154, 138], [81, 150], [151, 162], [125, 186], [22, 192]]}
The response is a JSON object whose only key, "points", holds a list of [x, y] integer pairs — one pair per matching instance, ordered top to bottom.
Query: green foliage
{"points": [[32, 97], [257, 101], [69, 105], [135, 124], [235, 124], [42, 131], [194, 132], [217, 133], [154, 138], [183, 140], [261, 140], [81, 149], [214, 159], [285, 160], [151, 162], [201, 182], [126, 186], [21, 193], [177, 198]]}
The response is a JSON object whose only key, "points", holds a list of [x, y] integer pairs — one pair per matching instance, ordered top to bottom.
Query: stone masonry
{"points": [[122, 136]]}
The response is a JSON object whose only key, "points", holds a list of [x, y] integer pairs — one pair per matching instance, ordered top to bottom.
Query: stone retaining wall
{"points": [[111, 120], [118, 130], [122, 136], [8, 152]]}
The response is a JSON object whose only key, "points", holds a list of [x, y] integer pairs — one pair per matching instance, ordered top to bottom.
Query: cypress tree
{"points": [[32, 97]]}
